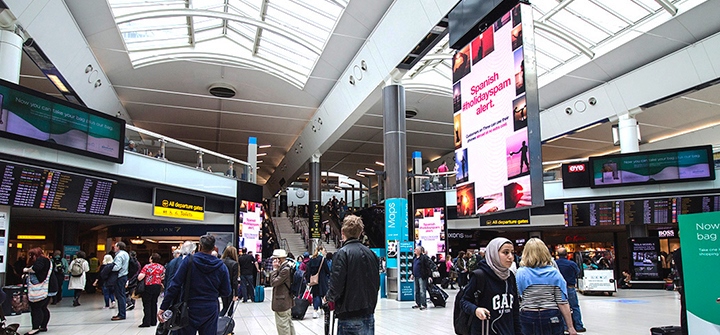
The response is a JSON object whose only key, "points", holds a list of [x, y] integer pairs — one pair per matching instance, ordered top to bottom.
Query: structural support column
{"points": [[10, 54], [628, 133], [252, 160], [416, 170], [314, 201], [397, 238]]}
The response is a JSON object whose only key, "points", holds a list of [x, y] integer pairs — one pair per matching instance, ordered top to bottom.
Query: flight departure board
{"points": [[36, 187], [638, 211]]}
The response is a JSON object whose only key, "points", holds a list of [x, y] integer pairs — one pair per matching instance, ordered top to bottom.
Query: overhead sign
{"points": [[575, 175], [178, 205], [515, 218], [430, 230]]}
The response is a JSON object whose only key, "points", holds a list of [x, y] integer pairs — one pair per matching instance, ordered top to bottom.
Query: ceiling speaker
{"points": [[222, 90]]}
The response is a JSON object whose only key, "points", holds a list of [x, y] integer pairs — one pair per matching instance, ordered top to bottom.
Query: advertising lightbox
{"points": [[496, 118], [250, 218], [430, 230]]}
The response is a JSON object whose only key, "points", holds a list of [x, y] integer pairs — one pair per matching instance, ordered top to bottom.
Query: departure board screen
{"points": [[36, 187], [638, 211]]}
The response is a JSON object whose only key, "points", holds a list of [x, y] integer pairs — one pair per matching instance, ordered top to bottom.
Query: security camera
{"points": [[592, 101], [568, 111]]}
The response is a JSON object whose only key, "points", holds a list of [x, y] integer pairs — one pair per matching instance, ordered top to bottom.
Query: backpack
{"points": [[472, 263], [58, 265], [76, 269], [462, 320]]}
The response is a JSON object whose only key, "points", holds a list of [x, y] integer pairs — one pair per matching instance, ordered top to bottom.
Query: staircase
{"points": [[295, 243]]}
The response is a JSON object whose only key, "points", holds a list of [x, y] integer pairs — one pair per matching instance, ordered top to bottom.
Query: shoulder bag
{"points": [[315, 279], [38, 292], [180, 317]]}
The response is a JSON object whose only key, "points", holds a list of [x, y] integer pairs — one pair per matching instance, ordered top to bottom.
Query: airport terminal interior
{"points": [[589, 124]]}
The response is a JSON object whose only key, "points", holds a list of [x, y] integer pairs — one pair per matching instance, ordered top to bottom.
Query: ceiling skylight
{"points": [[592, 24], [281, 37]]}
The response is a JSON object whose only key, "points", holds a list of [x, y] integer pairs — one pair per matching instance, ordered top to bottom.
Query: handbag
{"points": [[315, 279], [140, 288], [39, 291], [180, 317]]}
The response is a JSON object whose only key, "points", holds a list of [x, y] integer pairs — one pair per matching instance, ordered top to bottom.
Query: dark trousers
{"points": [[60, 279], [248, 287], [76, 296], [227, 303], [150, 308], [39, 313], [203, 320]]}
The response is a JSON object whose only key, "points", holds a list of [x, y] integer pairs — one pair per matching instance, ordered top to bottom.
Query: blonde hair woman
{"points": [[544, 293]]}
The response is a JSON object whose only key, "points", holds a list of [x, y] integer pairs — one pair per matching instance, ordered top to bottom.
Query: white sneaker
{"points": [[112, 305], [315, 314]]}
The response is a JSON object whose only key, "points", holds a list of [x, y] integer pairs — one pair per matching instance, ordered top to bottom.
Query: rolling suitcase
{"points": [[445, 283], [259, 292], [438, 296], [300, 308], [226, 324], [666, 330]]}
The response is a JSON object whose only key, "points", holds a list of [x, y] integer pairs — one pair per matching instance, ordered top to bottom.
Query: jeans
{"points": [[248, 287], [420, 289], [108, 294], [120, 296], [317, 302], [227, 305], [575, 307], [39, 313], [547, 322], [364, 325]]}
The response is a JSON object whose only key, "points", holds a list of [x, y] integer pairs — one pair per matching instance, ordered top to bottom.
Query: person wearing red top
{"points": [[153, 274]]}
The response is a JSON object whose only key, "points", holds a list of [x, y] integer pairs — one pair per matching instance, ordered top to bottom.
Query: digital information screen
{"points": [[33, 117], [496, 118], [673, 165], [36, 187], [638, 211], [250, 217], [430, 230]]}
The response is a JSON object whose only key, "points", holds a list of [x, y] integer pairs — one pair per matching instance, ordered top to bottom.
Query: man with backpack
{"points": [[60, 267]]}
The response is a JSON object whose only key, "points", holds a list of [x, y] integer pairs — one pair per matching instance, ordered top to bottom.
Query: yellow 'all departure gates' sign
{"points": [[178, 205]]}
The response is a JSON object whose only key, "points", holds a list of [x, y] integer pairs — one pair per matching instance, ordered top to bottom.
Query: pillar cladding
{"points": [[10, 56], [628, 131], [395, 142], [252, 159], [416, 170], [314, 200]]}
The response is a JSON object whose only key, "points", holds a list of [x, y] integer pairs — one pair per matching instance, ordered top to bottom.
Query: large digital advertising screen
{"points": [[33, 117], [496, 118], [671, 165], [250, 218], [430, 230]]}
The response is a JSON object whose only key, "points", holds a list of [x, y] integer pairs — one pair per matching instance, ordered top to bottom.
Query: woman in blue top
{"points": [[543, 293]]}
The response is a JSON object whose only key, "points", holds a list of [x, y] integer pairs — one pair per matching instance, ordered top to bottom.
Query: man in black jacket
{"points": [[422, 270], [354, 282]]}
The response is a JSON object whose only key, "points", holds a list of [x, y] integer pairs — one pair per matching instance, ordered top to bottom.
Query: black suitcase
{"points": [[445, 283], [438, 296], [298, 311], [226, 324], [666, 330]]}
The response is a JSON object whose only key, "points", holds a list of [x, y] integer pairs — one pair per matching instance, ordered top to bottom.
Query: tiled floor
{"points": [[629, 312]]}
